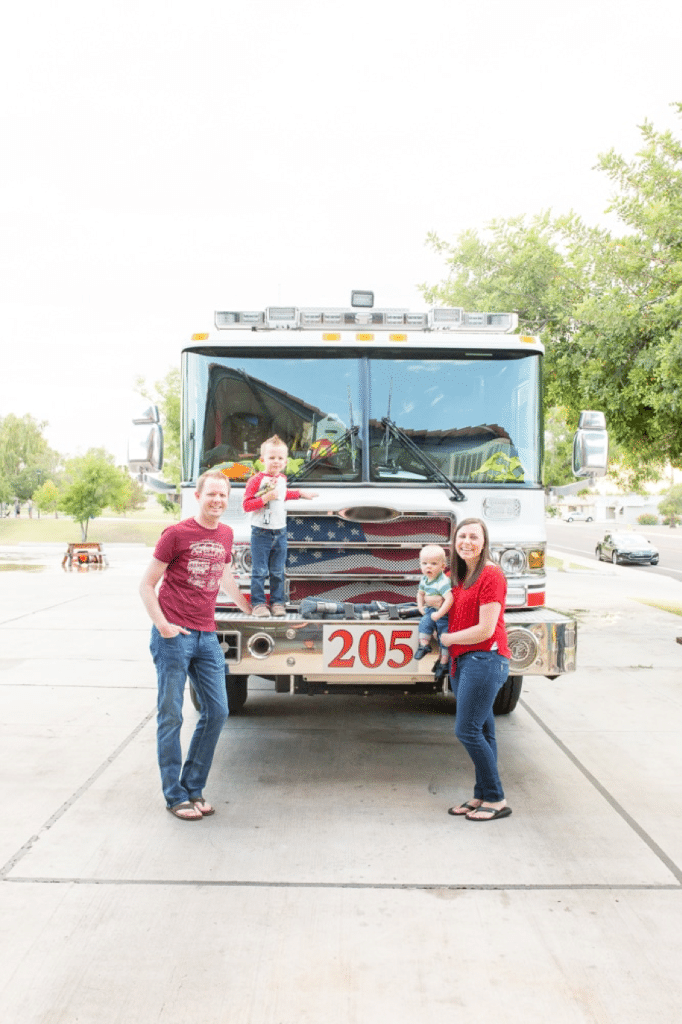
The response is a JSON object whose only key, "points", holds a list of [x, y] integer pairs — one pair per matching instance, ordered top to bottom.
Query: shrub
{"points": [[647, 519]]}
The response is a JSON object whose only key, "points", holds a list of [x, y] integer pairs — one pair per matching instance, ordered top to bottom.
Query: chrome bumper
{"points": [[542, 642]]}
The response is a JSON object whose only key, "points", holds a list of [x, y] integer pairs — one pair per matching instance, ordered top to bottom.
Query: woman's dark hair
{"points": [[458, 566]]}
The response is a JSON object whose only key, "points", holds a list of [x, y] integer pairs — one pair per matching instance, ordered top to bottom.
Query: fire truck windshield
{"points": [[365, 417]]}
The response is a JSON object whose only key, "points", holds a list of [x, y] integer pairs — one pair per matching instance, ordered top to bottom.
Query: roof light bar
{"points": [[314, 318]]}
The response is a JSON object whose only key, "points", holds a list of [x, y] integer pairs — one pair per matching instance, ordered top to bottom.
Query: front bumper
{"points": [[542, 643]]}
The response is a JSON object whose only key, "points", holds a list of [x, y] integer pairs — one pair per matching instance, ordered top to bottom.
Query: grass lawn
{"points": [[142, 527], [552, 562], [665, 606]]}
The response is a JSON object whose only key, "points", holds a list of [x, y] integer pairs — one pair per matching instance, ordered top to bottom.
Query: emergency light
{"points": [[291, 318]]}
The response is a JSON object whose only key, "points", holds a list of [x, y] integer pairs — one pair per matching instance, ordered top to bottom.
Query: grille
{"points": [[329, 556], [339, 561], [231, 645]]}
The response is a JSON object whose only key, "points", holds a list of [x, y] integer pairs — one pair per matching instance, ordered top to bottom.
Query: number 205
{"points": [[352, 650]]}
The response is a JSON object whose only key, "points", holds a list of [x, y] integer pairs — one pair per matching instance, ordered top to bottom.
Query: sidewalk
{"points": [[331, 885]]}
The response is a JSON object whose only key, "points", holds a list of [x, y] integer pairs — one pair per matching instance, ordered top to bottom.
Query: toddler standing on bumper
{"points": [[264, 499]]}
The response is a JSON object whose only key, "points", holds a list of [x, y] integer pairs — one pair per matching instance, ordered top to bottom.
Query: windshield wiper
{"points": [[350, 435], [426, 460]]}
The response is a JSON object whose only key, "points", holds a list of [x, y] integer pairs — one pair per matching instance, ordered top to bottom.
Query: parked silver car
{"points": [[579, 517], [623, 546]]}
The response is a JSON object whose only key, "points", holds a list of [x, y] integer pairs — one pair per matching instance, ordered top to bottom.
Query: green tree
{"points": [[609, 308], [630, 334], [25, 456], [631, 474], [93, 483], [6, 492], [46, 497], [132, 497], [670, 505]]}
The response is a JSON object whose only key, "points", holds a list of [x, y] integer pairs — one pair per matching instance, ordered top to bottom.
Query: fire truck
{"points": [[405, 423]]}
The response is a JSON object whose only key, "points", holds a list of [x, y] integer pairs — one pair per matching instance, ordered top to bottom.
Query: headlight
{"points": [[512, 561]]}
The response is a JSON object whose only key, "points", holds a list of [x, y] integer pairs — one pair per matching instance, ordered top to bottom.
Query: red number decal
{"points": [[379, 648], [405, 649], [339, 661]]}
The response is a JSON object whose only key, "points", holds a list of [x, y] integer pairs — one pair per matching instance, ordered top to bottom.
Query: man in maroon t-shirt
{"points": [[192, 562]]}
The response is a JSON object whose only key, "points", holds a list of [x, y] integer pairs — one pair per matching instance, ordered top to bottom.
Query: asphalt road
{"points": [[582, 539]]}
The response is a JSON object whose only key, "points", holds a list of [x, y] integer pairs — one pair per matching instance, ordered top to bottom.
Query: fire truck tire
{"points": [[236, 687], [508, 696]]}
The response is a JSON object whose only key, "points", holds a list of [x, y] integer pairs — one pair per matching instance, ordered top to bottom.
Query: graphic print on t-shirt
{"points": [[206, 564]]}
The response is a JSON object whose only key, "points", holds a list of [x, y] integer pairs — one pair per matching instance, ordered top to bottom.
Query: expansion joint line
{"points": [[61, 811], [674, 869]]}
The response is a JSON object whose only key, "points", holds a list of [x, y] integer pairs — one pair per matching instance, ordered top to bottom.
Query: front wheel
{"points": [[589, 519], [597, 553], [614, 558], [236, 687], [508, 696]]}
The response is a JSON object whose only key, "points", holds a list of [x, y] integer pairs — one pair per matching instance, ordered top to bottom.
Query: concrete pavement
{"points": [[331, 886]]}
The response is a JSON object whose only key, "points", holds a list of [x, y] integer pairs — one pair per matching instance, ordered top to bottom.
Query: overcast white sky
{"points": [[162, 160]]}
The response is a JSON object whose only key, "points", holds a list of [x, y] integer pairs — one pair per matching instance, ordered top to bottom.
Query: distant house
{"points": [[610, 508]]}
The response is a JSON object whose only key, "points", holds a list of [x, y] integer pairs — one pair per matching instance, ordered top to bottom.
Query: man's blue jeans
{"points": [[268, 555], [200, 657], [477, 679]]}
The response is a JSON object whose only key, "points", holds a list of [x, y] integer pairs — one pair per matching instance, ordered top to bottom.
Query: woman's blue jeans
{"points": [[268, 555], [200, 657], [477, 679]]}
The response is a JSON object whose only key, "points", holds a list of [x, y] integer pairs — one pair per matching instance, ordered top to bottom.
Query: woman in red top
{"points": [[477, 640]]}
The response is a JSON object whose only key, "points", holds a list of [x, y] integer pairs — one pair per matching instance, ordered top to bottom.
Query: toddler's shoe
{"points": [[277, 609], [261, 611], [421, 652]]}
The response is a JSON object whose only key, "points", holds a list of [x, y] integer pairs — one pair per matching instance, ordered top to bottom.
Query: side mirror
{"points": [[150, 415], [145, 444], [591, 445]]}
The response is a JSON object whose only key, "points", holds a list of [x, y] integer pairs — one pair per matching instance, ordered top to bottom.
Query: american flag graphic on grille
{"points": [[358, 550]]}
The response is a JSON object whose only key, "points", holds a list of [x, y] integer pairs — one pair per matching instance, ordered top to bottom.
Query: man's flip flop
{"points": [[202, 806], [184, 807], [462, 809], [503, 812]]}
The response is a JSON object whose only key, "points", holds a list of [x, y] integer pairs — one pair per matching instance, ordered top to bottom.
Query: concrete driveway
{"points": [[331, 887]]}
